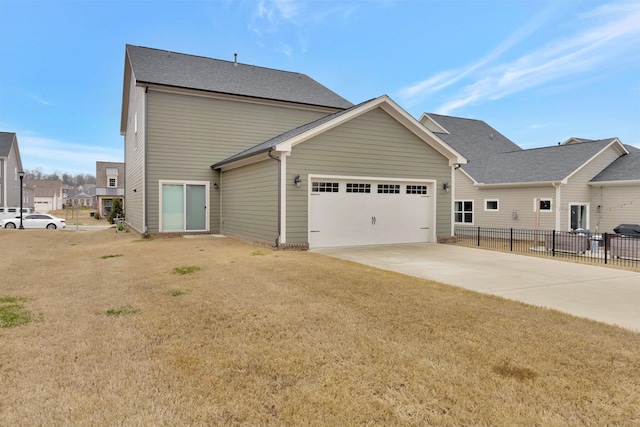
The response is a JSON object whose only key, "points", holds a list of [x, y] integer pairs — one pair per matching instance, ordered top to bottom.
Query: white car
{"points": [[35, 220]]}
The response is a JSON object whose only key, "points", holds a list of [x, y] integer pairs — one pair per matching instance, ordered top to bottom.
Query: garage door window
{"points": [[324, 187], [358, 188], [388, 189], [416, 189]]}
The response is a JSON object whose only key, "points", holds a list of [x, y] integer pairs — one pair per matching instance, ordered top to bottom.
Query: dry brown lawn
{"points": [[251, 336]]}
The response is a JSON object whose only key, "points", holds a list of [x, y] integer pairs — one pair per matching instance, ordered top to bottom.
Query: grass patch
{"points": [[257, 253], [111, 256], [186, 270], [177, 292], [122, 311], [13, 314]]}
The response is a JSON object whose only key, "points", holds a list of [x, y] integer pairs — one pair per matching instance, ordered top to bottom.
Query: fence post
{"points": [[478, 236], [511, 240], [553, 244], [606, 246]]}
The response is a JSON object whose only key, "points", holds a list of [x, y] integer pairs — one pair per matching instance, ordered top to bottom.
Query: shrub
{"points": [[116, 211]]}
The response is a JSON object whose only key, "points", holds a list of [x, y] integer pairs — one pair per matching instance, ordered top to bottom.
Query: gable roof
{"points": [[155, 66], [474, 139], [285, 141], [6, 142], [495, 160], [548, 164], [624, 168]]}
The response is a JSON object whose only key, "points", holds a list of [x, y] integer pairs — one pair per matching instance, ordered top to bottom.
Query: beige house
{"points": [[273, 156], [110, 180], [579, 184], [48, 194]]}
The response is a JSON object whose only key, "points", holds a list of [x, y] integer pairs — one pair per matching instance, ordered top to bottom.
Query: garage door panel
{"points": [[351, 219]]}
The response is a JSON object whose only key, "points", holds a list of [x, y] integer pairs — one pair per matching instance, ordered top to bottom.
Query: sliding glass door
{"points": [[183, 206]]}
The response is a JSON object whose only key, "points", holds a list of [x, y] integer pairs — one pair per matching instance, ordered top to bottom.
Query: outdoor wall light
{"points": [[297, 181], [215, 185], [446, 187]]}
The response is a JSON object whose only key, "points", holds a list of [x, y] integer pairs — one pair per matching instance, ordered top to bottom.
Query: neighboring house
{"points": [[273, 156], [10, 165], [582, 183], [110, 185], [47, 194], [79, 197]]}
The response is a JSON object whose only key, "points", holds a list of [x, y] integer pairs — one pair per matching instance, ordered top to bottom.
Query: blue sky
{"points": [[537, 71]]}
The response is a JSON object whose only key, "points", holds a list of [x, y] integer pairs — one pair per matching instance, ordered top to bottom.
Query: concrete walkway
{"points": [[604, 294]]}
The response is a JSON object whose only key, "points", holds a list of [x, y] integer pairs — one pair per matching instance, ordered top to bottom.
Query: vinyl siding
{"points": [[187, 134], [135, 144], [371, 145], [577, 191], [519, 200], [250, 201], [618, 205]]}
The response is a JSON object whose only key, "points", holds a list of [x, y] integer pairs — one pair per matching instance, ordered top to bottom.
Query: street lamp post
{"points": [[21, 174]]}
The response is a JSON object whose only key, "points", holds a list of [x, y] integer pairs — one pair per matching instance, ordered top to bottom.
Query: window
{"points": [[112, 182], [324, 187], [358, 188], [388, 189], [416, 189], [544, 204], [491, 205], [463, 212]]}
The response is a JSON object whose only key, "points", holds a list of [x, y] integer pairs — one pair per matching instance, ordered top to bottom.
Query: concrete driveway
{"points": [[599, 293]]}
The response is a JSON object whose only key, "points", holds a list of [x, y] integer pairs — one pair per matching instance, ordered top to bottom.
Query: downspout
{"points": [[558, 203], [145, 210], [277, 242]]}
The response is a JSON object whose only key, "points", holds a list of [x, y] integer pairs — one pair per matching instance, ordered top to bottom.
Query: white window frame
{"points": [[115, 180], [184, 183], [536, 202], [497, 209], [473, 216]]}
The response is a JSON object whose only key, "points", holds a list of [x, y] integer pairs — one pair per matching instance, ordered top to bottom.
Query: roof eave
{"points": [[621, 182], [521, 184]]}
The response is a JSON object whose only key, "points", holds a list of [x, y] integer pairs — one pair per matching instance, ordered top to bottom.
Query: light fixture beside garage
{"points": [[297, 181], [446, 187]]}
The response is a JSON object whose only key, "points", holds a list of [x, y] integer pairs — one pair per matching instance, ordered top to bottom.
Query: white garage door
{"points": [[352, 212]]}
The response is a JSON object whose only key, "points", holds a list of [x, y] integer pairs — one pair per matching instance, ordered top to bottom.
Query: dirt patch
{"points": [[251, 336]]}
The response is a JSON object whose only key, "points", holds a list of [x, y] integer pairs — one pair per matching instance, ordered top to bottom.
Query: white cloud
{"points": [[606, 33], [53, 155]]}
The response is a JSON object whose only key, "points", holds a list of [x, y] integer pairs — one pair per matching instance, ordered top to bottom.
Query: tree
{"points": [[116, 211]]}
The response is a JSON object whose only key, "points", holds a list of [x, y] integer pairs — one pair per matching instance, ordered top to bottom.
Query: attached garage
{"points": [[367, 175], [351, 211]]}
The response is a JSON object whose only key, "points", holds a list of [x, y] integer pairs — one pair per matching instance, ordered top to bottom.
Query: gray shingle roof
{"points": [[214, 75], [475, 140], [6, 142], [271, 143], [494, 159], [548, 164], [624, 168]]}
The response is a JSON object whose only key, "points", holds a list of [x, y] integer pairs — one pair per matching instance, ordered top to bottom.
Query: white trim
{"points": [[395, 111], [427, 120], [621, 149], [371, 178], [184, 183], [620, 183], [431, 193], [283, 197], [497, 209], [473, 211], [588, 213]]}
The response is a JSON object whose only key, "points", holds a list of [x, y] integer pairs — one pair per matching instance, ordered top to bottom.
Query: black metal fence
{"points": [[603, 248]]}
